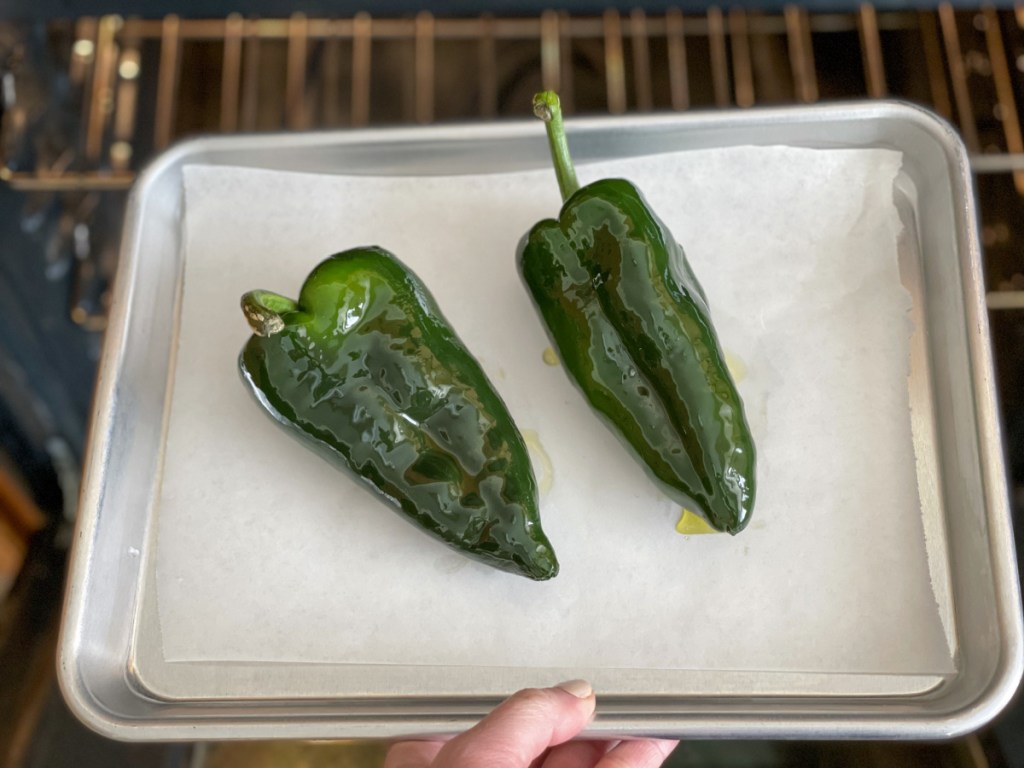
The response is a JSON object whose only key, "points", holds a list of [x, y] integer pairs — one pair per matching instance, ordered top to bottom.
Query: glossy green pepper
{"points": [[633, 329], [365, 369]]}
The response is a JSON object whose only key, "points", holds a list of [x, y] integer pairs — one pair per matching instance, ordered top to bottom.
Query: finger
{"points": [[522, 727], [648, 753], [412, 754], [578, 754]]}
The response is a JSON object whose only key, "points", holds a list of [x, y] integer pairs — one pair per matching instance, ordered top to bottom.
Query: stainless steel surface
{"points": [[110, 663]]}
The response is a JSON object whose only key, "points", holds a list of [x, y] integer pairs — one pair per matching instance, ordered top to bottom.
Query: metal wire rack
{"points": [[135, 85]]}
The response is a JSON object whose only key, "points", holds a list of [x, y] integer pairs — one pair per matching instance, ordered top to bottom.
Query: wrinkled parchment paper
{"points": [[267, 553]]}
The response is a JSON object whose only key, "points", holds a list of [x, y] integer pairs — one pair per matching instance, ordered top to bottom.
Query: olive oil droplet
{"points": [[736, 366], [541, 459], [690, 524]]}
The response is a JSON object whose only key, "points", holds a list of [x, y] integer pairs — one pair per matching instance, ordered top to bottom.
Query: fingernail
{"points": [[581, 689], [667, 747]]}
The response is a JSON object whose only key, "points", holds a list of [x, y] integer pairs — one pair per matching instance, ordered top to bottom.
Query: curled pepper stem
{"points": [[547, 107], [263, 310]]}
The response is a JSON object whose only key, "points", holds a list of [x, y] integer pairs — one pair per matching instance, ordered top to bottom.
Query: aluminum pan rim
{"points": [[176, 725]]}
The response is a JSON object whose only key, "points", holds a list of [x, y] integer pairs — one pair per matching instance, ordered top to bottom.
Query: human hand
{"points": [[532, 729]]}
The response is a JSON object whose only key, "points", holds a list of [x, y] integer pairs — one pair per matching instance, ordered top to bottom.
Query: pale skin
{"points": [[533, 729]]}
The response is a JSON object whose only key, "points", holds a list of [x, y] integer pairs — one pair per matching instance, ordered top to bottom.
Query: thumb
{"points": [[521, 728]]}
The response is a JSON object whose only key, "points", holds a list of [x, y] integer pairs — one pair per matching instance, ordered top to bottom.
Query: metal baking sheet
{"points": [[111, 664]]}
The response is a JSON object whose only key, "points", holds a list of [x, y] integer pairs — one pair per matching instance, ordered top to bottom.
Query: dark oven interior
{"points": [[87, 101]]}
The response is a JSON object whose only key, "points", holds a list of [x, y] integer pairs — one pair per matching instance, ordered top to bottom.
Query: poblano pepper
{"points": [[632, 326], [365, 369]]}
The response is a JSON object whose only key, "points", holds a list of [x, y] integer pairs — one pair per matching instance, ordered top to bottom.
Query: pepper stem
{"points": [[547, 107], [263, 310]]}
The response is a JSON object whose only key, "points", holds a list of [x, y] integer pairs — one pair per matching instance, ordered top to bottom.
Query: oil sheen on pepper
{"points": [[365, 370]]}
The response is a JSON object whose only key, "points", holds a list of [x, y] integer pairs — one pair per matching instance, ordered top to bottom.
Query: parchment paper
{"points": [[267, 553]]}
